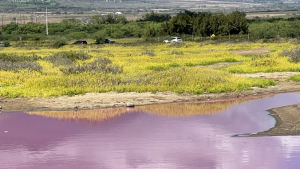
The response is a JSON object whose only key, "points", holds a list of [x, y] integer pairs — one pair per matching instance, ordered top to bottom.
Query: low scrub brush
{"points": [[148, 52], [294, 55], [18, 58], [67, 58], [102, 64], [17, 66]]}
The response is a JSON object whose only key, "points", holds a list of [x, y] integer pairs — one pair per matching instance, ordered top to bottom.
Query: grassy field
{"points": [[76, 69]]}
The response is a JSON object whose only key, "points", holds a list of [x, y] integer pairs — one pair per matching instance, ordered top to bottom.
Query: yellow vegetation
{"points": [[147, 67]]}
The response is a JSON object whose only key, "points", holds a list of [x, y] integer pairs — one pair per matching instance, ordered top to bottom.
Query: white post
{"points": [[46, 22]]}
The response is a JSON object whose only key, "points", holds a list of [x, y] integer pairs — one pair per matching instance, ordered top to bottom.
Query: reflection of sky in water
{"points": [[141, 140]]}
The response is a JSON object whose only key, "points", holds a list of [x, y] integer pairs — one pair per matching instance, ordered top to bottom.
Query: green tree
{"points": [[99, 37]]}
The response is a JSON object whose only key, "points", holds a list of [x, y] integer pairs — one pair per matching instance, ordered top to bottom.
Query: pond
{"points": [[175, 136]]}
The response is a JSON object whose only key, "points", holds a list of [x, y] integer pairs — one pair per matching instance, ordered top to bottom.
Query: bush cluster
{"points": [[99, 38], [59, 43], [294, 55], [18, 58], [67, 58], [13, 62], [102, 64], [17, 66]]}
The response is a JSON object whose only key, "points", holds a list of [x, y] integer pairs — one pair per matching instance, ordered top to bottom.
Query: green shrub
{"points": [[77, 35], [36, 37], [99, 38], [59, 43], [6, 44], [230, 60], [190, 64], [173, 65], [158, 68], [295, 78]]}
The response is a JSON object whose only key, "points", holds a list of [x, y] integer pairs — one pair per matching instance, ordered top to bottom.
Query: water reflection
{"points": [[173, 109], [145, 140]]}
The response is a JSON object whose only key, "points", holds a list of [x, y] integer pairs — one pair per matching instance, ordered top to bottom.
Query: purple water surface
{"points": [[142, 140]]}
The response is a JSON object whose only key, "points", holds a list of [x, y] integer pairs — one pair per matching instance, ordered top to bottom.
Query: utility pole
{"points": [[2, 18], [46, 22]]}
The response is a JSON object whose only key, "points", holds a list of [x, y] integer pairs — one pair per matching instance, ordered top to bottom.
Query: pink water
{"points": [[143, 140]]}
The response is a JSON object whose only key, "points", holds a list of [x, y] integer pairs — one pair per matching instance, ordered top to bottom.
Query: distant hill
{"points": [[145, 5]]}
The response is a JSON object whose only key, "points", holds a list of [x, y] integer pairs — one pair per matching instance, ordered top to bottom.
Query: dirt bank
{"points": [[112, 99], [287, 122]]}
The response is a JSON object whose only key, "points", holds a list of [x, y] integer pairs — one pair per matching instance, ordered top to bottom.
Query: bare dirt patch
{"points": [[251, 51], [222, 64], [274, 75]]}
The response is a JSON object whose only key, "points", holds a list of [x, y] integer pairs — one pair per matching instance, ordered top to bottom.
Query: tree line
{"points": [[152, 25]]}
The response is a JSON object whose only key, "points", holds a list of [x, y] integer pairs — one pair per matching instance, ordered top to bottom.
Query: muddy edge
{"points": [[112, 99]]}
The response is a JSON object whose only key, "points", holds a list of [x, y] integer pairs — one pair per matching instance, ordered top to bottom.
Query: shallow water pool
{"points": [[171, 136]]}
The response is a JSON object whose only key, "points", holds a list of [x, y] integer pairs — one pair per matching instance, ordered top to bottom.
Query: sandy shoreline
{"points": [[112, 99], [287, 122]]}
